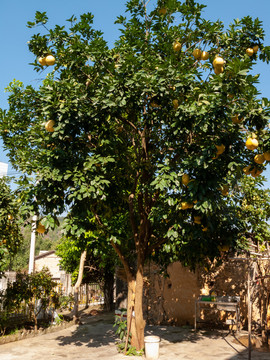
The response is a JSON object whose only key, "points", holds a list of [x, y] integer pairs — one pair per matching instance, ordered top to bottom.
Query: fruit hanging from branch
{"points": [[162, 11], [177, 46], [255, 49], [249, 51], [197, 54], [204, 55], [50, 60], [42, 61], [236, 119], [49, 126], [251, 143], [220, 149], [266, 155], [259, 159], [246, 170], [185, 179], [225, 190], [197, 219], [41, 228]]}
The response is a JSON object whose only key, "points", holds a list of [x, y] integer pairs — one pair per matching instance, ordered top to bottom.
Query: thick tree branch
{"points": [[123, 261]]}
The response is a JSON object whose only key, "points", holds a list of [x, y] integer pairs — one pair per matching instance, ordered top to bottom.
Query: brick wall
{"points": [[172, 299]]}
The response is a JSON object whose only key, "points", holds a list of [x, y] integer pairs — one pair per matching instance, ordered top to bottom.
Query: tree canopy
{"points": [[148, 137]]}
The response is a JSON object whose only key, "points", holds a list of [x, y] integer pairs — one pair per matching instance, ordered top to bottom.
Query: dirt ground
{"points": [[95, 339]]}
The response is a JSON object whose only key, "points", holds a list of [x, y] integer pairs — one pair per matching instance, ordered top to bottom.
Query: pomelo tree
{"points": [[148, 137]]}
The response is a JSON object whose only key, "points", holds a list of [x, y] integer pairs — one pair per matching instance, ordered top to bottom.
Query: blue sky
{"points": [[15, 56]]}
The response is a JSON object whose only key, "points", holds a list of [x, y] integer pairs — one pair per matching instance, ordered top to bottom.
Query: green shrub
{"points": [[35, 290]]}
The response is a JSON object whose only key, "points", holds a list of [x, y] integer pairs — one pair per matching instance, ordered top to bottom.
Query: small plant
{"points": [[36, 290], [66, 302], [59, 319], [3, 322], [121, 324], [14, 331], [121, 331], [131, 350]]}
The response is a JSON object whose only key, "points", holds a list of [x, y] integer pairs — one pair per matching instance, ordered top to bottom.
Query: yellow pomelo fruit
{"points": [[162, 11], [177, 46], [255, 49], [250, 51], [197, 54], [204, 55], [50, 60], [42, 61], [218, 61], [219, 70], [175, 103], [153, 104], [236, 119], [49, 126], [252, 144], [220, 149], [267, 155], [259, 159], [246, 170], [256, 172], [185, 179], [225, 190], [184, 205], [197, 219], [41, 229]]}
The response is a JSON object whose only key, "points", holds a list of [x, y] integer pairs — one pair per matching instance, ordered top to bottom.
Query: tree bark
{"points": [[77, 287], [86, 296], [135, 297], [130, 310], [264, 319], [139, 320]]}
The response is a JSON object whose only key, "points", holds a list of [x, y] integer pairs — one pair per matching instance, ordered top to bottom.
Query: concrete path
{"points": [[94, 339]]}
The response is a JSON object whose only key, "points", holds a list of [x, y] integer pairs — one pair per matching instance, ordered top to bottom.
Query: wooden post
{"points": [[31, 267], [129, 325]]}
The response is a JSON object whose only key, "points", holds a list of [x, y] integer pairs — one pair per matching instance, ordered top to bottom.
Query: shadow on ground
{"points": [[94, 331], [98, 331]]}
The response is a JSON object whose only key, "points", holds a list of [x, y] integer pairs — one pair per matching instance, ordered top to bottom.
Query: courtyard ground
{"points": [[95, 339]]}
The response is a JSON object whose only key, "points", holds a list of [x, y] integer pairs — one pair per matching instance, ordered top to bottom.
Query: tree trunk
{"points": [[77, 287], [108, 289], [86, 296], [135, 296], [130, 310], [264, 312], [264, 319], [139, 320], [36, 323]]}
